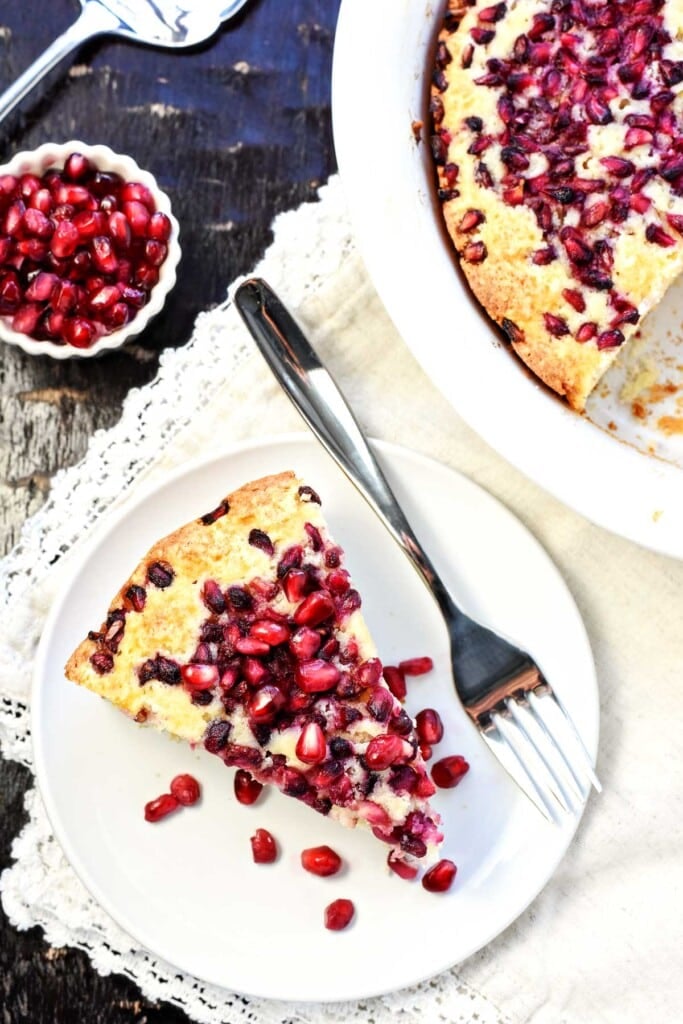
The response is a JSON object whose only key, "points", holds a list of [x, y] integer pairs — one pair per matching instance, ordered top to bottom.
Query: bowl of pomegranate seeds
{"points": [[88, 250]]}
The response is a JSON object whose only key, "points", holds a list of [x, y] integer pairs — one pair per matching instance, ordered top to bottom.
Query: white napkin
{"points": [[602, 941]]}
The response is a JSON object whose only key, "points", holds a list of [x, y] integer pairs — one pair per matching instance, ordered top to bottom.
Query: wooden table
{"points": [[234, 131]]}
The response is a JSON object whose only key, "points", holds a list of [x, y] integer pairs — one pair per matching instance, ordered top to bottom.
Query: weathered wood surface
{"points": [[235, 131]]}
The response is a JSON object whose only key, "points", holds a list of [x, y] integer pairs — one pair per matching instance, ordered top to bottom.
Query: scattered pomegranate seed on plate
{"points": [[416, 666], [448, 772], [185, 789], [158, 808], [263, 847], [321, 860], [440, 877], [339, 914]]}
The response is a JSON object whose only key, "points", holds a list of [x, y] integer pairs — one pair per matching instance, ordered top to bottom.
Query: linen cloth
{"points": [[602, 942]]}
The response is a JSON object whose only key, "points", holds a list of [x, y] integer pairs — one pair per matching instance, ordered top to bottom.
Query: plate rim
{"points": [[644, 500], [113, 519]]}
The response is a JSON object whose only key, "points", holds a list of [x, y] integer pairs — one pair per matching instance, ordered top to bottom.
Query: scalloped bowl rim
{"points": [[53, 154]]}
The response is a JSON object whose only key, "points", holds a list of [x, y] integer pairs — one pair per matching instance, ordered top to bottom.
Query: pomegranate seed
{"points": [[492, 14], [482, 36], [637, 137], [77, 167], [28, 184], [8, 185], [134, 191], [14, 218], [138, 218], [471, 220], [676, 222], [37, 223], [89, 223], [159, 227], [119, 229], [654, 233], [65, 239], [33, 248], [155, 252], [475, 252], [103, 254], [146, 276], [42, 287], [10, 292], [133, 296], [66, 297], [104, 298], [575, 299], [26, 317], [555, 325], [79, 332], [586, 332], [610, 339], [137, 597], [314, 609], [271, 633], [304, 643], [250, 645], [416, 666], [254, 671], [369, 672], [316, 676], [200, 677], [229, 677], [395, 680], [265, 703], [380, 705], [429, 726], [311, 747], [385, 750], [426, 751], [448, 772], [425, 787], [185, 789], [247, 789], [158, 808], [263, 847], [321, 860], [401, 867], [440, 877], [339, 914]]}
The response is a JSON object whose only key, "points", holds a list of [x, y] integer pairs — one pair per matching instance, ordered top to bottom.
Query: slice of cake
{"points": [[558, 140], [242, 631]]}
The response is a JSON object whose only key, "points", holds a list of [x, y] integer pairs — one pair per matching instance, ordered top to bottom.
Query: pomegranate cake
{"points": [[558, 140], [242, 631]]}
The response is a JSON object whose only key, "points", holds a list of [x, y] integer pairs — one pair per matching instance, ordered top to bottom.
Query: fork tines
{"points": [[536, 741]]}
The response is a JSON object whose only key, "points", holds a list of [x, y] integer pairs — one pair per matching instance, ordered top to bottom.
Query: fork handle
{"points": [[93, 20], [318, 399]]}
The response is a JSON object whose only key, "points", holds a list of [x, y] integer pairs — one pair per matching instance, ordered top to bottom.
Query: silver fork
{"points": [[165, 23], [500, 686]]}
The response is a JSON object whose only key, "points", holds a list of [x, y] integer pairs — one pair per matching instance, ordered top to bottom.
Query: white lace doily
{"points": [[204, 392]]}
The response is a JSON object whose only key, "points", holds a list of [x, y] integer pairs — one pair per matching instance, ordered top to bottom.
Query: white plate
{"points": [[382, 58], [186, 888]]}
